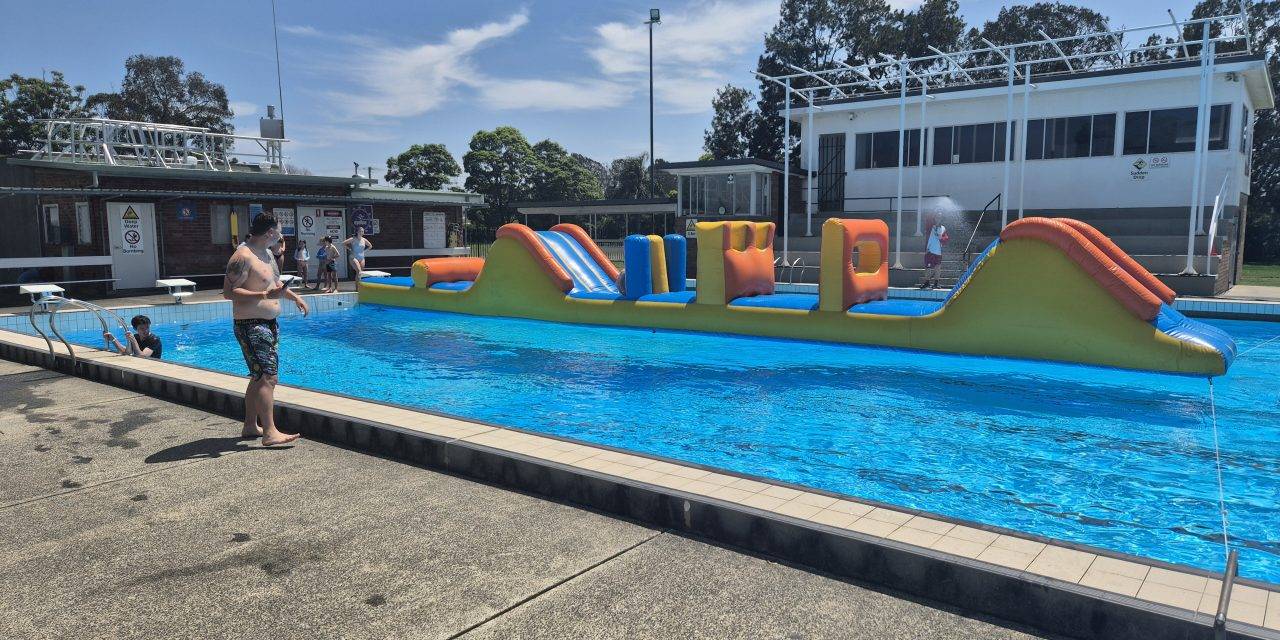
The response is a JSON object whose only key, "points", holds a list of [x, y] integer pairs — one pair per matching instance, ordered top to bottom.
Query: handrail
{"points": [[1218, 205], [968, 247], [52, 305], [1224, 597]]}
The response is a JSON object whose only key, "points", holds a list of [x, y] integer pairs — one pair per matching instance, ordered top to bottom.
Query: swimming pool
{"points": [[1117, 459]]}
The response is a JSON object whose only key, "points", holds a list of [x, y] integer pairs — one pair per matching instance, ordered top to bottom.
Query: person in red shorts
{"points": [[937, 237]]}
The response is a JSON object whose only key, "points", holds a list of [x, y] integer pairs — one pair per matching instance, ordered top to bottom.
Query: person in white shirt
{"points": [[937, 237], [301, 257]]}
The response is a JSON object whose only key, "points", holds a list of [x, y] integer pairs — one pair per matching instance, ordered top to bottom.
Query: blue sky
{"points": [[364, 80]]}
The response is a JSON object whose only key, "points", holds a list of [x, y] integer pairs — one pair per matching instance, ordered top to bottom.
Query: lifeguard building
{"points": [[1151, 144]]}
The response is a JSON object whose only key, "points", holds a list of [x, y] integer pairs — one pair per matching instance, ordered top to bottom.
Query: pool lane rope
{"points": [[1260, 344], [1217, 458]]}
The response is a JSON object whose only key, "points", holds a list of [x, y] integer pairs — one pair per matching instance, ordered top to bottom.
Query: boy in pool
{"points": [[142, 342]]}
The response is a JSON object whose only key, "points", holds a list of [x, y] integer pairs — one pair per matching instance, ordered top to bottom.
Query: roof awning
{"points": [[174, 194]]}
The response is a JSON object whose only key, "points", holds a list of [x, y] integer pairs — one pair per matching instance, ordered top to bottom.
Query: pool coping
{"points": [[1050, 584]]}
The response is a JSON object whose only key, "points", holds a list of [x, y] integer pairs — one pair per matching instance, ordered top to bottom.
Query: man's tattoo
{"points": [[236, 269]]}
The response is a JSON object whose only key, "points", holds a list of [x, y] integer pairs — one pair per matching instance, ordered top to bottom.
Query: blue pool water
{"points": [[1117, 459]]}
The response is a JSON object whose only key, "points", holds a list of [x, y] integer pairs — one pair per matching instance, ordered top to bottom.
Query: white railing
{"points": [[122, 142], [1219, 203]]}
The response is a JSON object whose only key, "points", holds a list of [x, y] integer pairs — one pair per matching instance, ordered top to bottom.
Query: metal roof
{"points": [[1099, 51], [162, 173], [216, 195]]}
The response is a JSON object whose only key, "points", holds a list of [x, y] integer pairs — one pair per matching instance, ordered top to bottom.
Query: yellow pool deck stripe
{"points": [[1183, 590]]}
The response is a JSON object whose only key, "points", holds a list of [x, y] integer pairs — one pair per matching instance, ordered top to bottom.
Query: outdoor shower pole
{"points": [[654, 18], [1202, 125], [902, 126], [924, 135], [1008, 138], [1022, 146], [786, 172], [808, 173]]}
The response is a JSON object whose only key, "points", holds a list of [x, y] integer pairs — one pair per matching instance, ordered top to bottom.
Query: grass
{"points": [[1266, 275]]}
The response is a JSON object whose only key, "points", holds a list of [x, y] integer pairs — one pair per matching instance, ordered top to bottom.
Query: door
{"points": [[315, 223], [133, 244]]}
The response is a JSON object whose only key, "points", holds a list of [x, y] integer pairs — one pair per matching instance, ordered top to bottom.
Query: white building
{"points": [[1111, 142]]}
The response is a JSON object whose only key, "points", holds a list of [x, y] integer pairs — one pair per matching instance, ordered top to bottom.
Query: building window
{"points": [[1173, 130], [1072, 137], [969, 143], [1245, 143], [880, 149], [831, 172], [717, 194], [764, 195], [220, 223], [52, 225], [84, 228]]}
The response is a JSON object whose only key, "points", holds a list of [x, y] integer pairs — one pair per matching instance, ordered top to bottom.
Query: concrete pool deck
{"points": [[131, 517], [1053, 585]]}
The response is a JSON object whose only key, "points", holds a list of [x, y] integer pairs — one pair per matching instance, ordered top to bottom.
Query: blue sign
{"points": [[255, 210], [186, 211], [362, 216]]}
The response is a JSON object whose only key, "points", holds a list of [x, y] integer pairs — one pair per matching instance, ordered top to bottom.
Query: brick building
{"points": [[118, 217]]}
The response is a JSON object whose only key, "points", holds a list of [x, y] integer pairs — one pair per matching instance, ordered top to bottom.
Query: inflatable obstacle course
{"points": [[1051, 289]]}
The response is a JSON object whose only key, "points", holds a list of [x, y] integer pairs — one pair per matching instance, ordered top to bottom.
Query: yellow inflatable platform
{"points": [[1050, 289]]}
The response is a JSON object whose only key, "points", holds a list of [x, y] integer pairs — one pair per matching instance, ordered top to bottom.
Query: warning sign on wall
{"points": [[131, 233]]}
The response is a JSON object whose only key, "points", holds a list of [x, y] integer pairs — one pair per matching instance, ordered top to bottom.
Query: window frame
{"points": [[962, 142], [1223, 142], [52, 223], [84, 223]]}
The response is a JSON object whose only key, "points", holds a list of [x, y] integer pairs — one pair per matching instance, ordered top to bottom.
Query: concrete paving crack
{"points": [[99, 484], [537, 594]]}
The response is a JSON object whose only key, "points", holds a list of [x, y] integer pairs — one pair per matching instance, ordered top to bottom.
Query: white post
{"points": [[1212, 48], [902, 127], [924, 134], [1201, 136], [1008, 139], [1022, 146], [786, 173], [808, 200]]}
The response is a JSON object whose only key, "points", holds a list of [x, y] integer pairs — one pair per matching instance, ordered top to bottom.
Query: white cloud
{"points": [[300, 30], [698, 50], [695, 51], [398, 82], [552, 95], [243, 109]]}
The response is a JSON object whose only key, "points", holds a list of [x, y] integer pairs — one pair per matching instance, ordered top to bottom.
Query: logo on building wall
{"points": [[1139, 171], [186, 211], [362, 217], [287, 220], [131, 232]]}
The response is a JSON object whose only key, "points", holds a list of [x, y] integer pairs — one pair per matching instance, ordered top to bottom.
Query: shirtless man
{"points": [[253, 286]]}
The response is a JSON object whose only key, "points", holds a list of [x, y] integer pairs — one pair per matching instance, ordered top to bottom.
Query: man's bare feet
{"points": [[246, 434], [278, 437]]}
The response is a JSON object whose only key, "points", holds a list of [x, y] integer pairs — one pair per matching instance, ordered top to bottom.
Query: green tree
{"points": [[934, 22], [1022, 23], [816, 34], [159, 89], [25, 100], [731, 124], [500, 165], [422, 166], [596, 169], [557, 176], [627, 178], [664, 184]]}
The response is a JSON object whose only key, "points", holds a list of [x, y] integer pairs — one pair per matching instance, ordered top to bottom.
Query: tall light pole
{"points": [[655, 17]]}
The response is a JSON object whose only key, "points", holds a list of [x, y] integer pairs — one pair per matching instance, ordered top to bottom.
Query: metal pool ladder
{"points": [[47, 298]]}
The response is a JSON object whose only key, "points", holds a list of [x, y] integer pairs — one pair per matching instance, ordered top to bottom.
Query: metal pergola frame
{"points": [[1014, 64]]}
